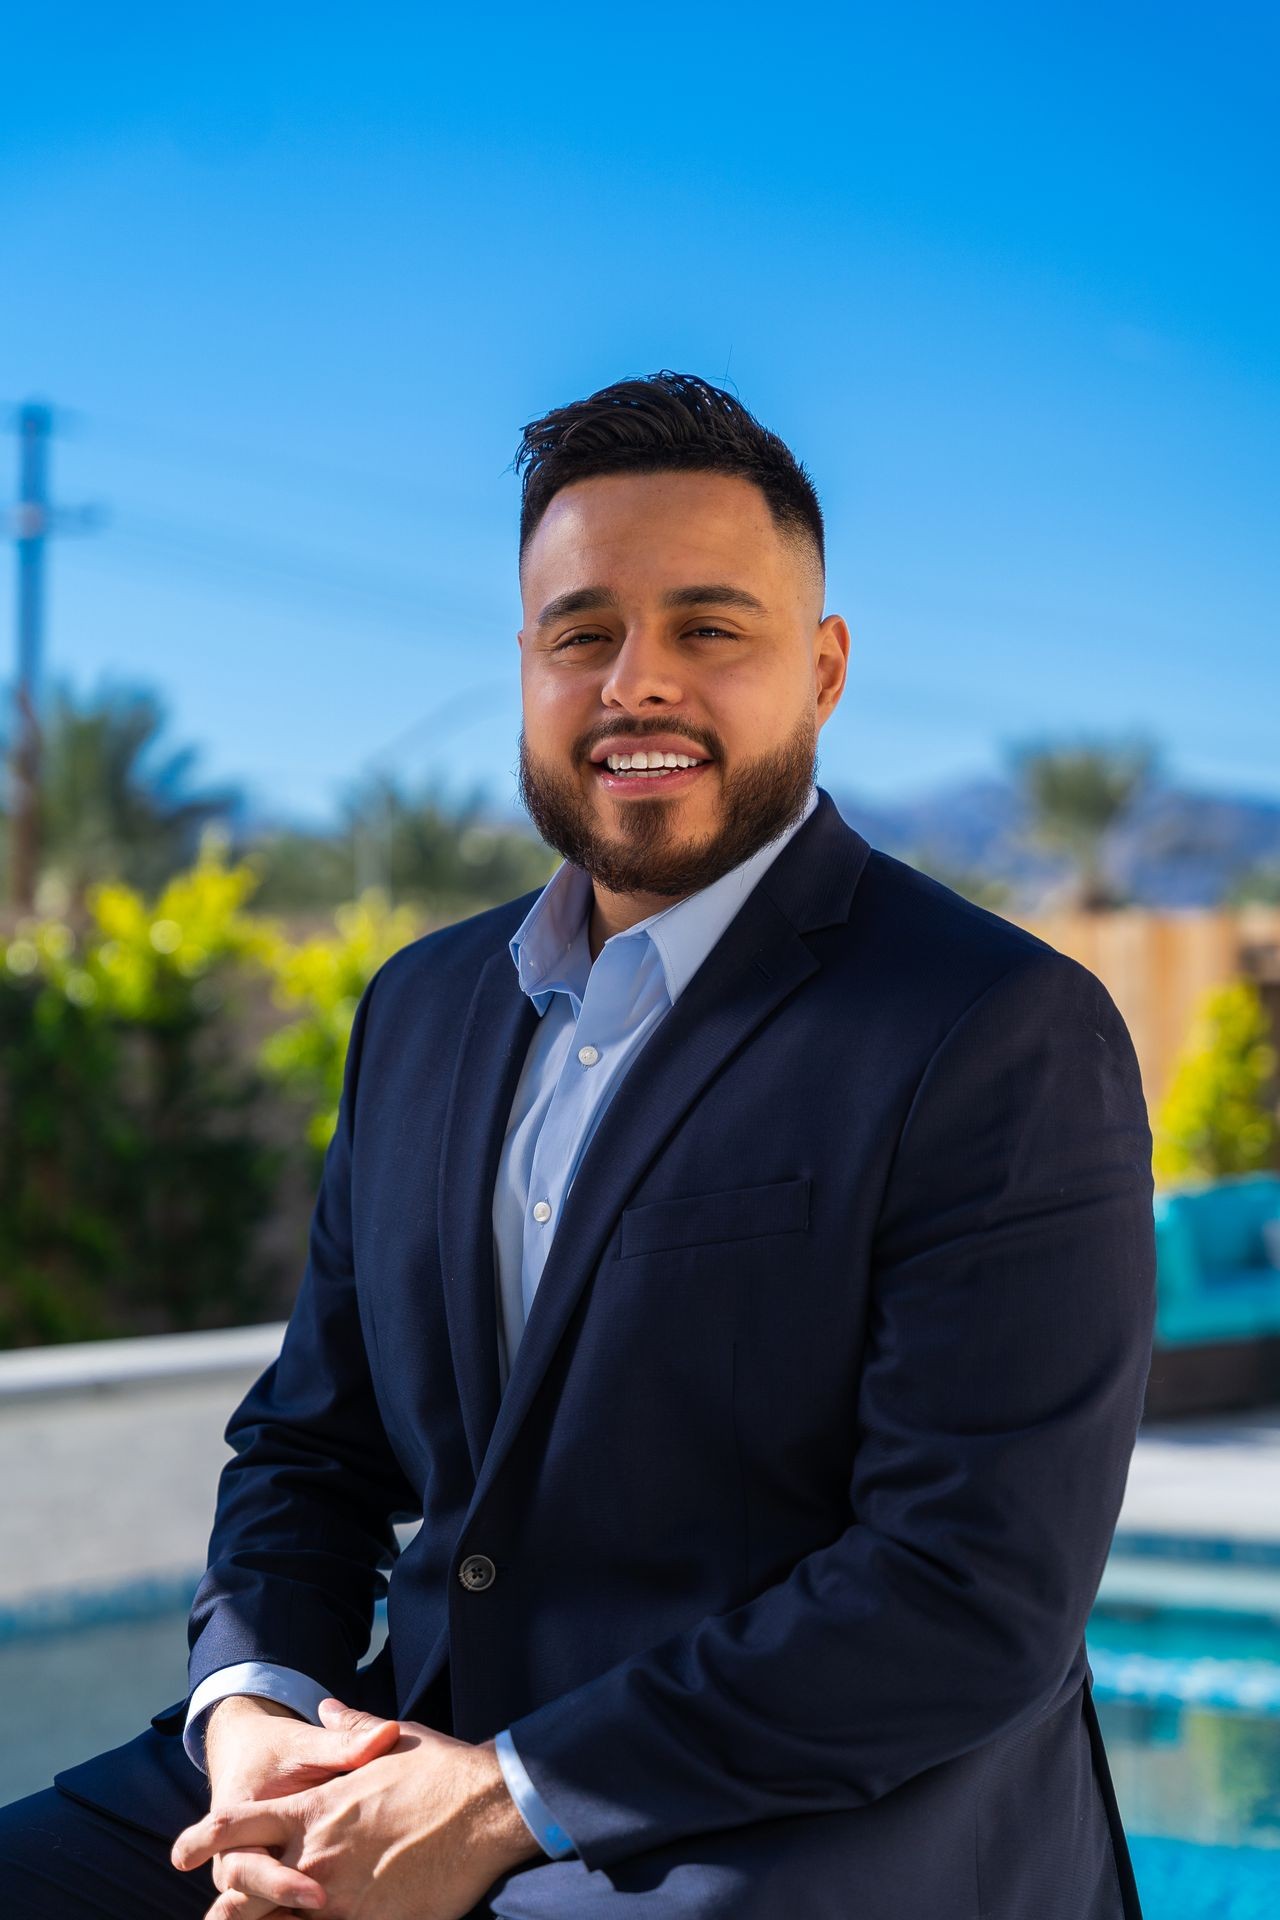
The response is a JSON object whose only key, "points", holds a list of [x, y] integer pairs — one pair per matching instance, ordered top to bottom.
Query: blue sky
{"points": [[1005, 278]]}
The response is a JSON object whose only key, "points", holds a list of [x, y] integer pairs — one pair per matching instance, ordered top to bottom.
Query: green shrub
{"points": [[321, 981], [1218, 1116], [132, 1179]]}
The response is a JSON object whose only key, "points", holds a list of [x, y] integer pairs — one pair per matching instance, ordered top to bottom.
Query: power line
{"points": [[273, 467], [291, 568]]}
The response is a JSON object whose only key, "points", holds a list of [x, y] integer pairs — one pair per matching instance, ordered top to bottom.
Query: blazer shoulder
{"points": [[924, 906], [948, 947], [452, 956]]}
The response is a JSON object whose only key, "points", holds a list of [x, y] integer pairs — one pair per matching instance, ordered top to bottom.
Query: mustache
{"points": [[708, 740]]}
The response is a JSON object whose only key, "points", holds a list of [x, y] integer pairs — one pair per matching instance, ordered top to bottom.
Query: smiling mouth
{"points": [[633, 774]]}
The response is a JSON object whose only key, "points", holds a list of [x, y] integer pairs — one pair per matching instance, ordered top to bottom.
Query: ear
{"points": [[831, 643]]}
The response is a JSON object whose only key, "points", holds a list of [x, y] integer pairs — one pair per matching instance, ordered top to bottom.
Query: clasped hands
{"points": [[355, 1818]]}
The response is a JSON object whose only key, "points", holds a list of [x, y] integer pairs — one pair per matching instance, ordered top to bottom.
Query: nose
{"points": [[644, 674]]}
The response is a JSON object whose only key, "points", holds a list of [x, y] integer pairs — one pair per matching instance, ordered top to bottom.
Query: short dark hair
{"points": [[663, 423]]}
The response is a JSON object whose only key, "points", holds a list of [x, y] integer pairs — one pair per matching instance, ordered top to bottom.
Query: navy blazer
{"points": [[803, 1483]]}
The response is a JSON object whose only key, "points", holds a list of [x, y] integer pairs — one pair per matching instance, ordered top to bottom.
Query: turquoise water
{"points": [[1189, 1704], [1181, 1881]]}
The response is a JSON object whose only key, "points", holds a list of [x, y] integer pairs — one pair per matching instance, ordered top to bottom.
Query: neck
{"points": [[614, 912]]}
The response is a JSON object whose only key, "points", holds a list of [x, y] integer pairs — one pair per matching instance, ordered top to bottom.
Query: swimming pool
{"points": [[1189, 1703]]}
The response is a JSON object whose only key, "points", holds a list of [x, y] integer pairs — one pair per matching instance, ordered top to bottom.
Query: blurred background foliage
{"points": [[115, 804], [320, 981], [149, 1103], [1218, 1115], [132, 1177]]}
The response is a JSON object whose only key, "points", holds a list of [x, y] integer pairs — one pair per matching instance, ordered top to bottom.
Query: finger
{"points": [[250, 1823], [229, 1876], [266, 1878], [218, 1880], [243, 1906]]}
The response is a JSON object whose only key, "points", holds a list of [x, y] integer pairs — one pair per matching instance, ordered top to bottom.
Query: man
{"points": [[741, 1256]]}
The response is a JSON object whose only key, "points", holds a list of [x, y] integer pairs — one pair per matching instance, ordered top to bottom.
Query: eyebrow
{"points": [[715, 595], [592, 599], [577, 600]]}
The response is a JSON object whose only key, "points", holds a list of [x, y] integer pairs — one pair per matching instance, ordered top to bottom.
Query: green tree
{"points": [[1076, 795], [115, 804], [449, 858]]}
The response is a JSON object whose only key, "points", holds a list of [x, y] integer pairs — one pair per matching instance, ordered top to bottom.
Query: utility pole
{"points": [[31, 522]]}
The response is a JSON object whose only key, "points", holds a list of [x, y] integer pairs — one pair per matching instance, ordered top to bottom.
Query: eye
{"points": [[723, 632], [578, 640]]}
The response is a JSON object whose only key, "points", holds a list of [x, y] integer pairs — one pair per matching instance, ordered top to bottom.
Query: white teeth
{"points": [[648, 762]]}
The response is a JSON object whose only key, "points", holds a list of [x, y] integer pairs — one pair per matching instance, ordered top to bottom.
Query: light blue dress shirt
{"points": [[594, 1018]]}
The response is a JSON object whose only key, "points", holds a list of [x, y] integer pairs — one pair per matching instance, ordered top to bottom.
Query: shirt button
{"points": [[588, 1055], [541, 1211], [477, 1572]]}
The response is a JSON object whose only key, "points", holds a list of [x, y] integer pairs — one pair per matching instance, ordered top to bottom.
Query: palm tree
{"points": [[1076, 795], [109, 807], [1258, 885]]}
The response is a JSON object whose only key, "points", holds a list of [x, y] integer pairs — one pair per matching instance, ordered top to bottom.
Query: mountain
{"points": [[1178, 848]]}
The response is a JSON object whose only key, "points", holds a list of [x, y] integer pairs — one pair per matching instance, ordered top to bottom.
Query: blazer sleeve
{"points": [[1008, 1346], [304, 1525]]}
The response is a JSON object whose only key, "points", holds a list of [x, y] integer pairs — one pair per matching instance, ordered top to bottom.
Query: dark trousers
{"points": [[60, 1858]]}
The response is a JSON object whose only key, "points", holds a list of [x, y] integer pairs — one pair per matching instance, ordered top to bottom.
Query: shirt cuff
{"points": [[259, 1677], [535, 1812]]}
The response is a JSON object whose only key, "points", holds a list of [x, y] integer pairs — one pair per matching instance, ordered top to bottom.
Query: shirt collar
{"points": [[550, 946]]}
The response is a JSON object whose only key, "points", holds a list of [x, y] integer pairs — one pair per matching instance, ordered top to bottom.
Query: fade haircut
{"points": [[666, 422]]}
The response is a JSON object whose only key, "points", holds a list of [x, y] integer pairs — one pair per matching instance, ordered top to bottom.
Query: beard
{"points": [[643, 852]]}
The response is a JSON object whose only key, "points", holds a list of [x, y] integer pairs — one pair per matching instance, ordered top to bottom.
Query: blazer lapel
{"points": [[758, 962], [495, 1039]]}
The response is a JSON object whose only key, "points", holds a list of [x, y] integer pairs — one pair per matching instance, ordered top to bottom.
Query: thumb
{"points": [[360, 1727]]}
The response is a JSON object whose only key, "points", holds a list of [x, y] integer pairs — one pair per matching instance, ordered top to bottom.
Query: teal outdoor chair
{"points": [[1218, 1261]]}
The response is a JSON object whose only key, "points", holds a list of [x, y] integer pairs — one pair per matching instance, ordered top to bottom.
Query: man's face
{"points": [[666, 613]]}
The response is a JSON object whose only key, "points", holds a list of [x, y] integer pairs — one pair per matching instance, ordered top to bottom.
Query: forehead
{"points": [[655, 528]]}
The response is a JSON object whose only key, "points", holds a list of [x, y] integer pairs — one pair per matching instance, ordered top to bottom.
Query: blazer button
{"points": [[477, 1572]]}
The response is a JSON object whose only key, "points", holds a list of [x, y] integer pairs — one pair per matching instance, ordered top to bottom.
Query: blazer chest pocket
{"points": [[738, 1213]]}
